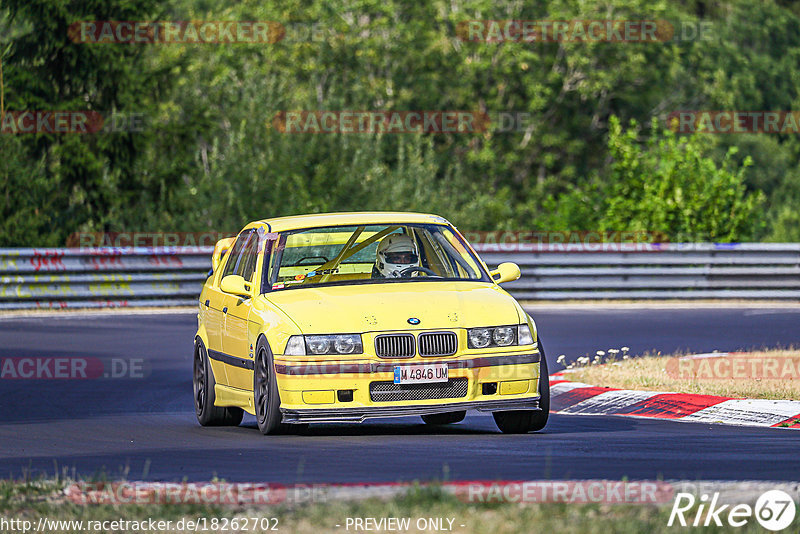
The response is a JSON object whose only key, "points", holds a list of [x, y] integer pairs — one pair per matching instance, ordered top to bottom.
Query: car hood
{"points": [[382, 307]]}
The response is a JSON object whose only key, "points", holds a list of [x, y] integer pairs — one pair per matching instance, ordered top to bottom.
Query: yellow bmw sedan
{"points": [[344, 317]]}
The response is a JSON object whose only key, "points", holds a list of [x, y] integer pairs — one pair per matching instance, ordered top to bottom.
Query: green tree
{"points": [[209, 160], [91, 177], [670, 184]]}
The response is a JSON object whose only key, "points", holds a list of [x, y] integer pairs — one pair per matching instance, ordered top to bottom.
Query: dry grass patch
{"points": [[771, 374]]}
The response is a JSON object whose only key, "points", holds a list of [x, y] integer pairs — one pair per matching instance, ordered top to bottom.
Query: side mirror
{"points": [[220, 249], [505, 272], [235, 285]]}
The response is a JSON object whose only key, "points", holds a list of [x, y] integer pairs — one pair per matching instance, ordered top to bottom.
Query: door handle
{"points": [[207, 302], [225, 309]]}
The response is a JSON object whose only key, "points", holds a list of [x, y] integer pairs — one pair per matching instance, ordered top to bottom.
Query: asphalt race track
{"points": [[146, 429]]}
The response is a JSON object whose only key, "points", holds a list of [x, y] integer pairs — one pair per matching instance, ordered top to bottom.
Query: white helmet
{"points": [[395, 253]]}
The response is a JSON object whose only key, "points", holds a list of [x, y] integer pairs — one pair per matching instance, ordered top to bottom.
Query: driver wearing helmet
{"points": [[396, 253]]}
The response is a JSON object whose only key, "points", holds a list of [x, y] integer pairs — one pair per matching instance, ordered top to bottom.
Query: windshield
{"points": [[371, 254]]}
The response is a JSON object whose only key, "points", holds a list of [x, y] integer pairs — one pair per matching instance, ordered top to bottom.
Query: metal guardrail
{"points": [[653, 271], [172, 276], [102, 277]]}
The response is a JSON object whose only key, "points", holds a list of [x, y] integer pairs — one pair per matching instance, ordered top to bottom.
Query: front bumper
{"points": [[309, 391], [360, 414]]}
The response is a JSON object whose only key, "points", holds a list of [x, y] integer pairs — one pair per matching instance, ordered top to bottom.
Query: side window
{"points": [[235, 256], [462, 262], [247, 264], [270, 275]]}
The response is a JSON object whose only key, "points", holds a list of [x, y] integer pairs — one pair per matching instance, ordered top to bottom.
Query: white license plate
{"points": [[418, 374]]}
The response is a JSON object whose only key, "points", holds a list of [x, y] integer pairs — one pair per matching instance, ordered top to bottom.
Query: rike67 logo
{"points": [[774, 510]]}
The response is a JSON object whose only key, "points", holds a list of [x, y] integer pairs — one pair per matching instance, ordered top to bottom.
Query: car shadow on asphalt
{"points": [[558, 425], [404, 428], [386, 430]]}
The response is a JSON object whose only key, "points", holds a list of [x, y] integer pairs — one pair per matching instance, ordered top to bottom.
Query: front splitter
{"points": [[359, 415]]}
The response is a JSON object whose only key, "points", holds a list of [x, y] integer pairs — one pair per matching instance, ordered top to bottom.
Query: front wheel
{"points": [[203, 384], [265, 391], [265, 394], [266, 397], [523, 421]]}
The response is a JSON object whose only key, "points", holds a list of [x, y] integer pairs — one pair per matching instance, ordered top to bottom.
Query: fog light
{"points": [[489, 388], [345, 395]]}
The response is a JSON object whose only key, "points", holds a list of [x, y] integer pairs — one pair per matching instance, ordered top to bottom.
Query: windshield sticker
{"points": [[323, 271], [294, 279]]}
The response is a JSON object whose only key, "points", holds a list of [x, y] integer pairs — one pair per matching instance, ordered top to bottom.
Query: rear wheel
{"points": [[204, 397], [444, 418], [523, 421]]}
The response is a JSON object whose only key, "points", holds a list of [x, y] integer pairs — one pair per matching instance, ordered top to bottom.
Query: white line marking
{"points": [[564, 387], [609, 402], [749, 412]]}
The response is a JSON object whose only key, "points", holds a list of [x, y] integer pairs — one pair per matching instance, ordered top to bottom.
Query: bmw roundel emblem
{"points": [[413, 320]]}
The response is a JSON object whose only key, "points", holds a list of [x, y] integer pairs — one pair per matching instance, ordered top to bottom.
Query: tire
{"points": [[203, 386], [265, 391], [447, 418], [524, 421]]}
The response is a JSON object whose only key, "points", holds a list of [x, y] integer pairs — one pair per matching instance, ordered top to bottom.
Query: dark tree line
{"points": [[593, 153]]}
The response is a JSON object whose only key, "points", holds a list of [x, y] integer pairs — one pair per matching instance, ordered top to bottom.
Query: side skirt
{"points": [[239, 398]]}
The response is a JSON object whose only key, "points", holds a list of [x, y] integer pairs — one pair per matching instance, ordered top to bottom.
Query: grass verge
{"points": [[755, 375], [30, 501]]}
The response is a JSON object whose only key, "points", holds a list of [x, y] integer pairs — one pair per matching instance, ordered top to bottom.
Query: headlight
{"points": [[504, 335], [499, 336], [479, 338], [318, 344], [327, 344], [347, 344]]}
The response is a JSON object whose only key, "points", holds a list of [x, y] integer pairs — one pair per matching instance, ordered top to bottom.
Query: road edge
{"points": [[577, 398]]}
